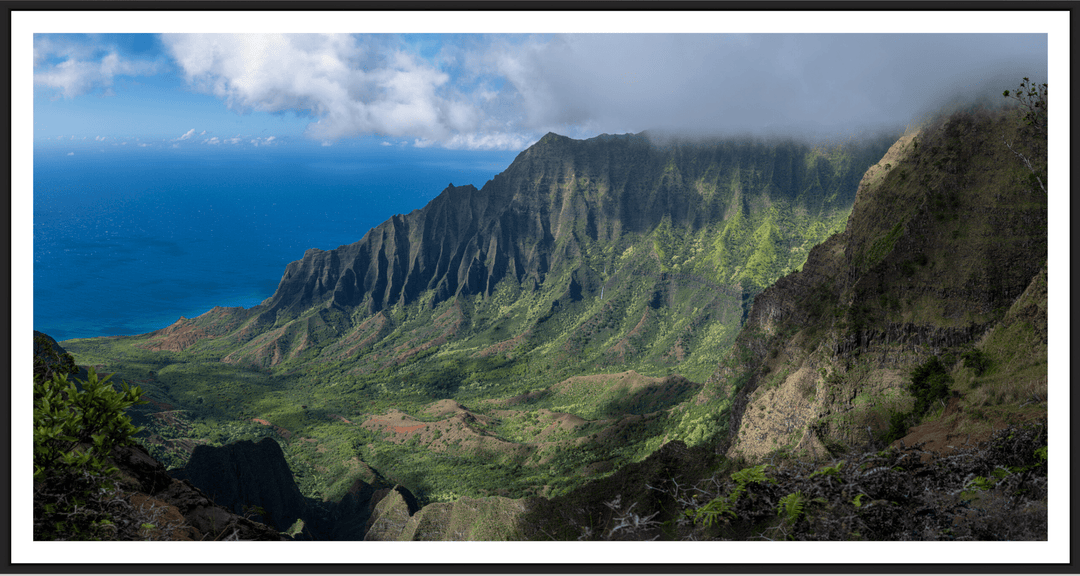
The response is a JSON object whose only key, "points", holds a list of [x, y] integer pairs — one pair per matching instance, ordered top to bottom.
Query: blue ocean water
{"points": [[127, 241]]}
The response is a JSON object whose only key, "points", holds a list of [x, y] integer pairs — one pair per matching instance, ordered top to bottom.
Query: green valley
{"points": [[571, 312], [622, 338]]}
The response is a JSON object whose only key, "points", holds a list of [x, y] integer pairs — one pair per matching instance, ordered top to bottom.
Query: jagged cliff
{"points": [[535, 216], [568, 220], [947, 232]]}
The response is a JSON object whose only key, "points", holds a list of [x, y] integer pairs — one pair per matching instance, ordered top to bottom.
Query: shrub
{"points": [[976, 360], [929, 382], [898, 426], [74, 432]]}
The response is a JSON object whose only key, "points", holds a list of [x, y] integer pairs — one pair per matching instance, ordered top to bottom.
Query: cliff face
{"points": [[537, 215], [697, 227], [946, 233], [246, 475], [175, 509]]}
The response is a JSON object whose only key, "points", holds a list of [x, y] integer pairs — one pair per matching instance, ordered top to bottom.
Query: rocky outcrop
{"points": [[50, 357], [250, 478], [174, 509], [391, 509]]}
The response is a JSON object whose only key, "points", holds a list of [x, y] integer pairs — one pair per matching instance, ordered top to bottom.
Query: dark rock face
{"points": [[50, 357], [246, 474], [243, 475], [179, 510]]}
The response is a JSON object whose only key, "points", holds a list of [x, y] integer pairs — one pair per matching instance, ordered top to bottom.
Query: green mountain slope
{"points": [[620, 258]]}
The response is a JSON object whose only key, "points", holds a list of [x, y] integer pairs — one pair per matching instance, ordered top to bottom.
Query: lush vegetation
{"points": [[664, 303], [545, 386], [76, 426]]}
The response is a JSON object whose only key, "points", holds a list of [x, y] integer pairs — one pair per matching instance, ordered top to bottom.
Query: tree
{"points": [[1032, 99], [1033, 104], [75, 430]]}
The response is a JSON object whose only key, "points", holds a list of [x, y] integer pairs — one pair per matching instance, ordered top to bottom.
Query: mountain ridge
{"points": [[563, 201], [947, 233], [943, 255], [598, 257]]}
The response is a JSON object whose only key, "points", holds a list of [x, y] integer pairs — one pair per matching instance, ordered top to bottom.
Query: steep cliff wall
{"points": [[556, 196], [947, 231]]}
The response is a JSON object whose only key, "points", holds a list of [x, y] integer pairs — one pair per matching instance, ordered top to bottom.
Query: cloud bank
{"points": [[504, 91]]}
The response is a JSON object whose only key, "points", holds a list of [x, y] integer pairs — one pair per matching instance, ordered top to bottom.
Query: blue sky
{"points": [[502, 91]]}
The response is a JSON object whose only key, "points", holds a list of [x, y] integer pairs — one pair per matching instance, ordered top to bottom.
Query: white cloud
{"points": [[82, 68], [762, 83], [351, 87], [490, 92], [186, 135], [212, 141], [267, 141], [485, 141], [71, 154]]}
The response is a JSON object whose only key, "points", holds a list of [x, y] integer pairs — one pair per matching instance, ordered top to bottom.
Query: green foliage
{"points": [[882, 246], [977, 360], [929, 383], [899, 422], [74, 432], [833, 471], [750, 475], [976, 485], [722, 506], [793, 506], [714, 511]]}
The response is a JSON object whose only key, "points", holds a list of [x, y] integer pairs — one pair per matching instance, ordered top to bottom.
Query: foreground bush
{"points": [[76, 426]]}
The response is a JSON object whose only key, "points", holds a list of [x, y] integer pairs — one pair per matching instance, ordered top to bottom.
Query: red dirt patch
{"points": [[445, 325], [372, 327], [177, 337], [504, 346], [159, 405], [444, 407], [342, 418], [407, 429], [285, 434], [942, 435]]}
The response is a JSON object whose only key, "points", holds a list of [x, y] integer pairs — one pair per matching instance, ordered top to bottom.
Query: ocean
{"points": [[126, 241]]}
